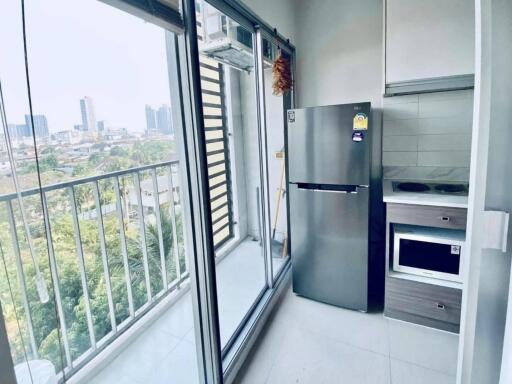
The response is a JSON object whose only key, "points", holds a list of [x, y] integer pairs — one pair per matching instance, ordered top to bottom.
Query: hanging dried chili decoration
{"points": [[282, 74]]}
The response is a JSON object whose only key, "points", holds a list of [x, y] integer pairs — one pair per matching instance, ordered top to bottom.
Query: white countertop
{"points": [[432, 199]]}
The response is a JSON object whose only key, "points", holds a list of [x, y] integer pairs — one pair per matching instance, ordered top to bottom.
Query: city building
{"points": [[88, 116], [150, 119], [163, 120], [40, 125], [102, 125], [18, 131], [112, 133], [66, 137]]}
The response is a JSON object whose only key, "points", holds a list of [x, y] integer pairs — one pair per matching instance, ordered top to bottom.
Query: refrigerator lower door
{"points": [[329, 245]]}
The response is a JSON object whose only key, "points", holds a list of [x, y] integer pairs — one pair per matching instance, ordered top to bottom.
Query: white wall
{"points": [[279, 14], [431, 38], [339, 51]]}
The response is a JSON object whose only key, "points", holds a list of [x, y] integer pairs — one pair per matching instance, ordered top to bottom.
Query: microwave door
{"points": [[428, 258]]}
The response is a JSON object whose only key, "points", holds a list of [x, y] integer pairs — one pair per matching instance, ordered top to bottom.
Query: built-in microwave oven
{"points": [[431, 252]]}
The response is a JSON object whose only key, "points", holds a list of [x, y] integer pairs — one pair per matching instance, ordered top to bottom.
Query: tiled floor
{"points": [[309, 342], [165, 352]]}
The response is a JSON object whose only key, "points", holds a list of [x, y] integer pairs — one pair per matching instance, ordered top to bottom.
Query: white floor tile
{"points": [[178, 319], [366, 331], [311, 342], [266, 350], [307, 357], [179, 367], [407, 373]]}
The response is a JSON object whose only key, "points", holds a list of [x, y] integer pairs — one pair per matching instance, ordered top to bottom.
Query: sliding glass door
{"points": [[275, 106], [232, 137], [94, 278]]}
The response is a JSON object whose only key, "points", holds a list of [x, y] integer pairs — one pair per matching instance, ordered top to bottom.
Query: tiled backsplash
{"points": [[427, 136]]}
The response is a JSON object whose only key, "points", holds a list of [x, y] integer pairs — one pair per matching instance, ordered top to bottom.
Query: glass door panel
{"points": [[276, 106], [234, 164], [109, 244]]}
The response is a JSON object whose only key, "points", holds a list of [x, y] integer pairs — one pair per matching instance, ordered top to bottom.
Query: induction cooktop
{"points": [[444, 188]]}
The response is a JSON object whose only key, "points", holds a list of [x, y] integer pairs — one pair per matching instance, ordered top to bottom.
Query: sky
{"points": [[80, 48]]}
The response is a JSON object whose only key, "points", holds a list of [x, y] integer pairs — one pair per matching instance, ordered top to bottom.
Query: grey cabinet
{"points": [[426, 304], [432, 305]]}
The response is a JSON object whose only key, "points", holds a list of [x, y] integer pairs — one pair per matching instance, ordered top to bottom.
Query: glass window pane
{"points": [[275, 112], [234, 164], [111, 175]]}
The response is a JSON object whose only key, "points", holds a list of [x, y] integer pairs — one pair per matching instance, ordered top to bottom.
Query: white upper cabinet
{"points": [[429, 39]]}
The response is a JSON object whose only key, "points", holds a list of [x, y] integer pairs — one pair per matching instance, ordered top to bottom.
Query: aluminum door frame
{"points": [[260, 35], [184, 55], [205, 267], [7, 375]]}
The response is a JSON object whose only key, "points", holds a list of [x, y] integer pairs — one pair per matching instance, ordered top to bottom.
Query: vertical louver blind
{"points": [[217, 148]]}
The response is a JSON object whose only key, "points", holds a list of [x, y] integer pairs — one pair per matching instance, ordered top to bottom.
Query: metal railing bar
{"points": [[212, 117], [89, 179], [173, 222], [142, 225], [159, 228], [124, 248], [104, 259], [81, 266], [21, 278], [56, 284], [89, 354]]}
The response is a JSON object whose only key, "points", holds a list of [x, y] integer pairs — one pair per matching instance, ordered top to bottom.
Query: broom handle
{"points": [[278, 200]]}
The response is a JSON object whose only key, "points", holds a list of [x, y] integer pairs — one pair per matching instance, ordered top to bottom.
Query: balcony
{"points": [[108, 249], [112, 253]]}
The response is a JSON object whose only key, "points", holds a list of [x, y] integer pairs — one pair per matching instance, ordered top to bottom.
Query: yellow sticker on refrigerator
{"points": [[360, 122]]}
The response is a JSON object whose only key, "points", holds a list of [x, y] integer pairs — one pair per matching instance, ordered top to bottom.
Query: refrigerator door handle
{"points": [[343, 189], [328, 191]]}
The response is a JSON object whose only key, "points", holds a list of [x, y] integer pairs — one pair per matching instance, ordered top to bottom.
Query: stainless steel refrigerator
{"points": [[329, 156]]}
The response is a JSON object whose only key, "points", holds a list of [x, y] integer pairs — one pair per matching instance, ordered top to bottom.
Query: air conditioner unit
{"points": [[228, 42]]}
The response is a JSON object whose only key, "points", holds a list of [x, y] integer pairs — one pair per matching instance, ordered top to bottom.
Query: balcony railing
{"points": [[137, 251]]}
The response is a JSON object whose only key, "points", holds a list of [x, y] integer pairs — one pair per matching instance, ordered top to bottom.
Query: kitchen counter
{"points": [[418, 198]]}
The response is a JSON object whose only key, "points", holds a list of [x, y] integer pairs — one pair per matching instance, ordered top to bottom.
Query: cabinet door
{"points": [[426, 39]]}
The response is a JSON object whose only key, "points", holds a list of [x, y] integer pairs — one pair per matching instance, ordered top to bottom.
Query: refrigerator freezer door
{"points": [[322, 147], [329, 235]]}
